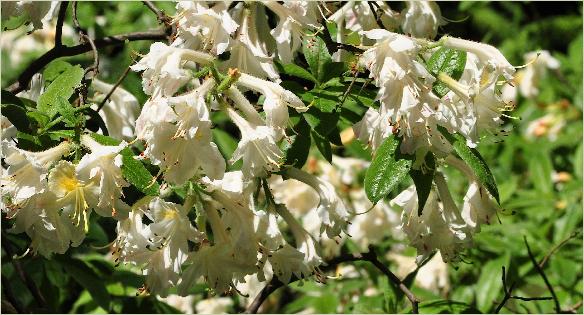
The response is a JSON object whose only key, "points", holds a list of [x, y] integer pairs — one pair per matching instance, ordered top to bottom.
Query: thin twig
{"points": [[377, 16], [163, 19], [60, 21], [85, 38], [332, 46], [66, 51], [109, 94], [558, 246], [370, 256], [542, 274], [28, 281], [10, 296]]}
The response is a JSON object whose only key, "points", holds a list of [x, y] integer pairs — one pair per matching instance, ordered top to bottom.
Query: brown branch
{"points": [[377, 16], [163, 19], [60, 21], [86, 39], [66, 51], [109, 94], [558, 246], [370, 256], [542, 274], [26, 279], [509, 295]]}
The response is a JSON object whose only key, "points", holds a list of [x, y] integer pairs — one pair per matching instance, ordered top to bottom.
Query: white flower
{"points": [[39, 13], [356, 16], [295, 18], [421, 19], [203, 28], [249, 52], [492, 61], [163, 73], [529, 78], [276, 103], [120, 112], [548, 125], [7, 129], [372, 129], [179, 140], [257, 148], [103, 167], [28, 170], [297, 196], [77, 197], [478, 208], [331, 209], [39, 217], [373, 222], [439, 227], [181, 303], [216, 305]]}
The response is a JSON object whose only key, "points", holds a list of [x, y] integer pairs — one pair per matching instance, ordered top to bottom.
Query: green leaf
{"points": [[317, 56], [448, 61], [54, 69], [295, 71], [62, 87], [325, 101], [67, 111], [17, 116], [321, 122], [323, 145], [297, 150], [475, 161], [133, 170], [387, 170], [136, 174], [423, 181], [87, 278], [490, 285], [446, 307]]}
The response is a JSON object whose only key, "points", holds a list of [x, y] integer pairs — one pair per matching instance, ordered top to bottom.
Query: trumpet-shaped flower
{"points": [[421, 19], [204, 28], [120, 112], [257, 148], [103, 167], [27, 170], [331, 209]]}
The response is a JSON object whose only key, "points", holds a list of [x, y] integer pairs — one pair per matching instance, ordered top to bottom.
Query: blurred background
{"points": [[537, 165]]}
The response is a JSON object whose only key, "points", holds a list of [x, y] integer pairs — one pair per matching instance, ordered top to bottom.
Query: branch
{"points": [[377, 16], [163, 19], [59, 26], [86, 39], [333, 46], [66, 51], [109, 94], [370, 256], [545, 279], [28, 281], [10, 296]]}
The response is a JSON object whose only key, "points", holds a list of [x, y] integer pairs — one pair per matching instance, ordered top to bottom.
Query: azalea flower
{"points": [[421, 19], [204, 28], [537, 65], [163, 68], [120, 112], [257, 148], [103, 167], [27, 170], [76, 196], [331, 209], [39, 217]]}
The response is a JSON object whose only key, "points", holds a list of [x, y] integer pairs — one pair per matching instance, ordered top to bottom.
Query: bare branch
{"points": [[163, 19], [60, 21], [85, 38], [65, 51], [109, 94], [370, 256], [26, 279], [545, 279], [7, 290]]}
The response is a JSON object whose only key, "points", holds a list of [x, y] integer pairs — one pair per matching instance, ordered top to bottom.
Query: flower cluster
{"points": [[236, 227]]}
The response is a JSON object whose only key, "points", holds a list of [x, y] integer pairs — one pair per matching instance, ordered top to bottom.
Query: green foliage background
{"points": [[547, 213]]}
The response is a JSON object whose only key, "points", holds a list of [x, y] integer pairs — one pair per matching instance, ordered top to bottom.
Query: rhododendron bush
{"points": [[291, 156]]}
